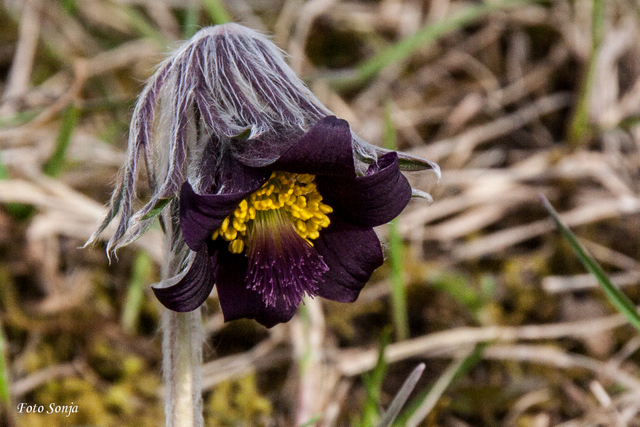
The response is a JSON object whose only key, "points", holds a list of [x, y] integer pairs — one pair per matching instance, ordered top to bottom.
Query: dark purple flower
{"points": [[262, 192]]}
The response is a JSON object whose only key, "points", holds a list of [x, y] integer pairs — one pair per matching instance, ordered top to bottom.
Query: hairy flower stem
{"points": [[182, 365]]}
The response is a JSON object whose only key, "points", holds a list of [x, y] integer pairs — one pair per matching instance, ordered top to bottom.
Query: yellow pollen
{"points": [[294, 194]]}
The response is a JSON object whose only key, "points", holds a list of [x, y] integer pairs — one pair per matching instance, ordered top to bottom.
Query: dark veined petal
{"points": [[324, 150], [370, 200], [200, 214], [352, 254], [192, 289], [239, 302]]}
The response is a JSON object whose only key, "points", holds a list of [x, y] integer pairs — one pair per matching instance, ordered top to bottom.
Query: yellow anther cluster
{"points": [[294, 194]]}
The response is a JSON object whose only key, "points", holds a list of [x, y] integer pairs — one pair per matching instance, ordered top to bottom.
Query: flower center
{"points": [[294, 197], [276, 225]]}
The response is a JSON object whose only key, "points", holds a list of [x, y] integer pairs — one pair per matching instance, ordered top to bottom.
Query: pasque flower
{"points": [[261, 190]]}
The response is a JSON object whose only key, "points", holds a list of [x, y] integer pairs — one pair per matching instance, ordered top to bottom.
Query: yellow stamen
{"points": [[294, 194], [225, 225], [236, 246]]}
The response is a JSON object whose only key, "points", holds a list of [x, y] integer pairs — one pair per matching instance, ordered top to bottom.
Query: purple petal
{"points": [[324, 150], [235, 177], [370, 200], [200, 214], [352, 254], [192, 289], [239, 302]]}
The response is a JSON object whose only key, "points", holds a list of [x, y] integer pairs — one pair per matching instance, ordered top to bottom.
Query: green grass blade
{"points": [[70, 6], [217, 12], [192, 14], [139, 23], [403, 49], [19, 118], [580, 122], [54, 165], [4, 175], [17, 210], [140, 277], [457, 286], [398, 290], [619, 299], [4, 374], [373, 383], [401, 397], [422, 403], [312, 421]]}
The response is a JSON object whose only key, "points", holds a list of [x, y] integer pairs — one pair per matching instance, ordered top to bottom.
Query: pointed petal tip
{"points": [[412, 163], [437, 171], [419, 194], [91, 241], [110, 249], [189, 290], [178, 306]]}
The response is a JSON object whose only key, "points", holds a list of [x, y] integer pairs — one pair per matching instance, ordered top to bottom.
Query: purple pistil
{"points": [[281, 263]]}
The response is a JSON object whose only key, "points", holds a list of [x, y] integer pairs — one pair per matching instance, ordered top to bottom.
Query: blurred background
{"points": [[512, 98]]}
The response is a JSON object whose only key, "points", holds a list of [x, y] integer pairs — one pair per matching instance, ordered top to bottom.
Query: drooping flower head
{"points": [[262, 192]]}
